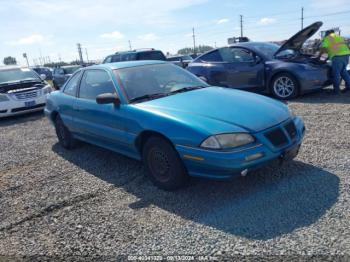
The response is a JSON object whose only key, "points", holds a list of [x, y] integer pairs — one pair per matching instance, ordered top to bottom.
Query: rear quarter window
{"points": [[213, 56]]}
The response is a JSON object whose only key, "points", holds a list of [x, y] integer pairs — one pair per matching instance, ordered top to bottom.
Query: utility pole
{"points": [[302, 18], [241, 22], [194, 41], [130, 45], [80, 54], [26, 57], [87, 57]]}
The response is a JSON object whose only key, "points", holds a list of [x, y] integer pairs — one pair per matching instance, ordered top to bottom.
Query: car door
{"points": [[211, 67], [244, 69], [68, 100], [101, 124]]}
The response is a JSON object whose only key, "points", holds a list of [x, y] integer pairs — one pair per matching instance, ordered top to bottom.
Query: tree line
{"points": [[191, 50]]}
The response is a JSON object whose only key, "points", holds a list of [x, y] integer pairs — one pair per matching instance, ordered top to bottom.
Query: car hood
{"points": [[296, 41], [246, 110]]}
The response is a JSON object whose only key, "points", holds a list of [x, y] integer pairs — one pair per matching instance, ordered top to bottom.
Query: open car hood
{"points": [[296, 41]]}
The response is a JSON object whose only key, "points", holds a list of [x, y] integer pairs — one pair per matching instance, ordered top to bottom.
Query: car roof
{"points": [[144, 50], [127, 64]]}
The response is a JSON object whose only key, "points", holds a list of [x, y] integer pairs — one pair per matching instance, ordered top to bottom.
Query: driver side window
{"points": [[242, 55], [213, 56], [94, 83], [72, 85]]}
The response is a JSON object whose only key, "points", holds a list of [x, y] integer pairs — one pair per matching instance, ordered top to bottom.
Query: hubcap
{"points": [[283, 86], [159, 164]]}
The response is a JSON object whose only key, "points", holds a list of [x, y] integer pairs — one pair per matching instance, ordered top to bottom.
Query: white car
{"points": [[21, 91]]}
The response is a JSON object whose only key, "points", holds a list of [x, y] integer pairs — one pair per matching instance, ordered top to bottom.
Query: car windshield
{"points": [[269, 49], [151, 55], [70, 70], [17, 74], [157, 79]]}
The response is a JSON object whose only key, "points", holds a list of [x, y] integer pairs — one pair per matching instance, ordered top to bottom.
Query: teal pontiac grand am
{"points": [[177, 124]]}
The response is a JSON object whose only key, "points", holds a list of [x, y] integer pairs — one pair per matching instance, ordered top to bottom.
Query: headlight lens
{"points": [[3, 98], [225, 141]]}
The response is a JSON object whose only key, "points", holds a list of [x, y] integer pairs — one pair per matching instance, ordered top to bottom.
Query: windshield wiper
{"points": [[185, 89], [147, 97]]}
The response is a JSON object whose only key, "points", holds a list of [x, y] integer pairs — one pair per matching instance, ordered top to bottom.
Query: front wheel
{"points": [[284, 86], [64, 136], [164, 166]]}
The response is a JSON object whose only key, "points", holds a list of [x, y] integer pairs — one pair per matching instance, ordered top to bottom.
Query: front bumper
{"points": [[312, 80], [17, 107], [227, 164]]}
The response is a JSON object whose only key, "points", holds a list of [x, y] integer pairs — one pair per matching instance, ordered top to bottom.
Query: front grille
{"points": [[27, 95], [19, 109], [291, 130], [277, 137]]}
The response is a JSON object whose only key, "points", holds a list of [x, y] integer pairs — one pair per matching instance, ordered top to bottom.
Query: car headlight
{"points": [[3, 98], [225, 141]]}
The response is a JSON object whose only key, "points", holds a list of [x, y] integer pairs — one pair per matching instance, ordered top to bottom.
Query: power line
{"points": [[329, 14]]}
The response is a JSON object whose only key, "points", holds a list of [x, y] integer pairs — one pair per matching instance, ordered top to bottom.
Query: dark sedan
{"points": [[180, 60], [283, 71], [61, 74]]}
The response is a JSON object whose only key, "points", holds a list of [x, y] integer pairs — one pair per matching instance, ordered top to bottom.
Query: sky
{"points": [[51, 28]]}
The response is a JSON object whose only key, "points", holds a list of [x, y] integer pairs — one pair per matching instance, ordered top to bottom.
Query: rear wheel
{"points": [[284, 86], [64, 136], [165, 168]]}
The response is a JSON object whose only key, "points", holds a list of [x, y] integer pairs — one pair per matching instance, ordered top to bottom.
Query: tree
{"points": [[199, 49], [10, 61]]}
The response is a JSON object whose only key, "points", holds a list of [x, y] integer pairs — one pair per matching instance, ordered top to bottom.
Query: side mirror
{"points": [[42, 76], [108, 98]]}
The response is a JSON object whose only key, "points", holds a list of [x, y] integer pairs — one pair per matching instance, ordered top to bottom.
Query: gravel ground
{"points": [[93, 202]]}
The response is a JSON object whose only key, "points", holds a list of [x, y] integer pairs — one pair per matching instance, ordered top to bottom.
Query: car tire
{"points": [[284, 86], [64, 136], [165, 168]]}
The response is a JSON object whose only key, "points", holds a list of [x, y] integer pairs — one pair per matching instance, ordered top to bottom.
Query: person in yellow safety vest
{"points": [[338, 51]]}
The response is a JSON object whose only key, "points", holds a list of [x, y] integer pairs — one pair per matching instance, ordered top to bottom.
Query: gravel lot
{"points": [[93, 202]]}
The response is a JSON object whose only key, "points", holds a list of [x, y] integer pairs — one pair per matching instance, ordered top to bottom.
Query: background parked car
{"points": [[139, 54], [181, 60], [265, 67], [44, 71], [61, 74], [21, 91]]}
